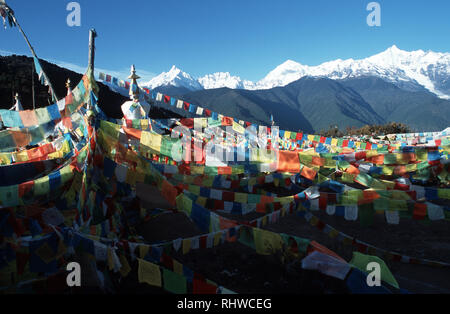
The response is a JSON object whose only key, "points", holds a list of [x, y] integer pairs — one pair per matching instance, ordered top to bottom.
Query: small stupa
{"points": [[69, 88], [18, 105], [135, 108]]}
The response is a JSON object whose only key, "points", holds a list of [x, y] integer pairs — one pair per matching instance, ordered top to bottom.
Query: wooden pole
{"points": [[92, 35], [32, 87]]}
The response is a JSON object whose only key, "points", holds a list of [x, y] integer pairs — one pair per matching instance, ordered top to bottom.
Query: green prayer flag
{"points": [[42, 115], [110, 129], [167, 145], [390, 159], [66, 174], [364, 179], [195, 189], [444, 193], [9, 195], [254, 199], [184, 204], [399, 205], [361, 261], [174, 282]]}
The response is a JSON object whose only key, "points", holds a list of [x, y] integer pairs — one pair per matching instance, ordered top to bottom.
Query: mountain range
{"points": [[415, 70], [392, 86]]}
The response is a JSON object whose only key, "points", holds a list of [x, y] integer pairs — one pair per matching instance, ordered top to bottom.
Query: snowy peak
{"points": [[283, 74], [175, 77], [220, 79], [224, 79]]}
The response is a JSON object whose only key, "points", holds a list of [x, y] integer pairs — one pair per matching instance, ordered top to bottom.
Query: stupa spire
{"points": [[69, 89], [134, 89], [18, 104]]}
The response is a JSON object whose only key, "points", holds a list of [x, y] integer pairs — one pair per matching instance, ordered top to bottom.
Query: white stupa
{"points": [[69, 88], [18, 105], [136, 108]]}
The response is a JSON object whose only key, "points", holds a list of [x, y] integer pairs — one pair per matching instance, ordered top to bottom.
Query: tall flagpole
{"points": [[16, 23], [92, 36], [32, 87]]}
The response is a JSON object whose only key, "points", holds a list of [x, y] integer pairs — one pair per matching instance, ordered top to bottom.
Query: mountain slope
{"points": [[15, 76], [309, 104], [421, 110]]}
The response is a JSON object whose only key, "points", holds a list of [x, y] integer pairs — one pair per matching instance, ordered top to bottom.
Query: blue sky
{"points": [[247, 38]]}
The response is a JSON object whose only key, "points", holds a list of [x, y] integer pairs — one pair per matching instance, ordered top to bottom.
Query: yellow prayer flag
{"points": [[144, 124], [238, 128], [151, 140], [334, 142], [371, 153], [21, 156], [5, 158], [411, 168], [197, 170], [387, 170], [240, 198], [202, 201], [264, 221], [333, 233], [217, 238], [266, 242], [186, 246], [143, 250], [110, 260], [177, 267], [125, 270], [149, 273]]}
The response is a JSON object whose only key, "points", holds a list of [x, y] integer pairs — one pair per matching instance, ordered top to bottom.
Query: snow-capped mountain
{"points": [[408, 70], [429, 70], [175, 77], [224, 79]]}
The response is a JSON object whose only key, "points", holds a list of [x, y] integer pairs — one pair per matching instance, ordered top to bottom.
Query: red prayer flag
{"points": [[202, 287]]}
